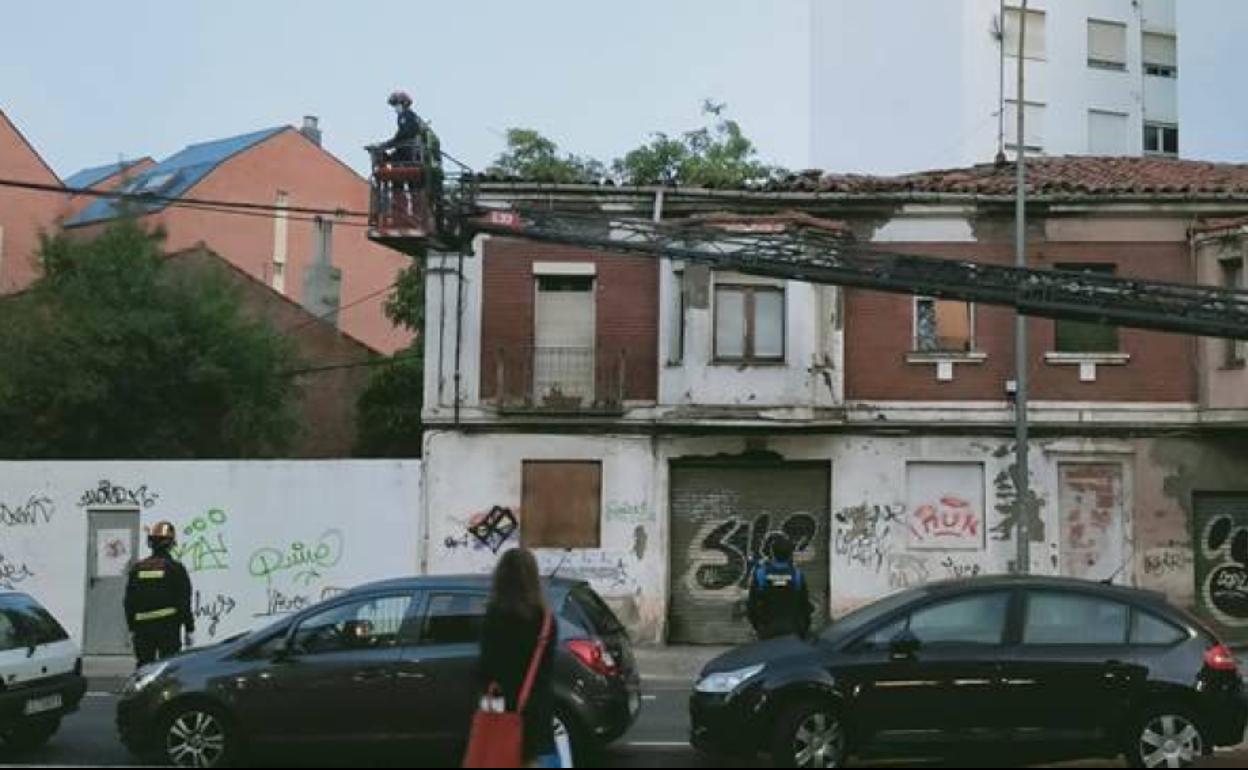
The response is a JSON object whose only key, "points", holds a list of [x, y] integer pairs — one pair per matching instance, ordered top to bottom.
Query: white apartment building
{"points": [[901, 85]]}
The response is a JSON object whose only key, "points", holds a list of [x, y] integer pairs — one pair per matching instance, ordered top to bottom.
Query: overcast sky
{"points": [[90, 81]]}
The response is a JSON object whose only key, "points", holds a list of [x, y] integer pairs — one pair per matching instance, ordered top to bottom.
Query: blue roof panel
{"points": [[89, 177], [172, 177]]}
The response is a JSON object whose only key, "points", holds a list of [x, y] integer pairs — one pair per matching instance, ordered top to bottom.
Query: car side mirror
{"points": [[904, 646]]}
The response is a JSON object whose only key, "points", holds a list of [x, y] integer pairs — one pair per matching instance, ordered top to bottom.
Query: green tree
{"points": [[716, 155], [531, 156], [115, 354], [388, 412]]}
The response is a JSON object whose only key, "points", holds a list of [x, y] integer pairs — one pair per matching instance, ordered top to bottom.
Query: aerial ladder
{"points": [[444, 214]]}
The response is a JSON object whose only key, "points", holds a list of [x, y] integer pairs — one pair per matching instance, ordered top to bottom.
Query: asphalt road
{"points": [[657, 740]]}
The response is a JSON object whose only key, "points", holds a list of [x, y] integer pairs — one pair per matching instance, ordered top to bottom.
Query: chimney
{"points": [[311, 129]]}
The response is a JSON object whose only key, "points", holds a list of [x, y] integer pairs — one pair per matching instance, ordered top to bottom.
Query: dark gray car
{"points": [[389, 661]]}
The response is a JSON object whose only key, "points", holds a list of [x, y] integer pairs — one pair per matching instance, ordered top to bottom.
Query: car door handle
{"points": [[370, 675], [411, 675]]}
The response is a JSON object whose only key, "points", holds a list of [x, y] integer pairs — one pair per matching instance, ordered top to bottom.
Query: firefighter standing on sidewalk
{"points": [[158, 600]]}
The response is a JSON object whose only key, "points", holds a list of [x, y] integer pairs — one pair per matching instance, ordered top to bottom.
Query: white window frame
{"points": [[1159, 69], [1161, 136], [281, 240], [747, 357]]}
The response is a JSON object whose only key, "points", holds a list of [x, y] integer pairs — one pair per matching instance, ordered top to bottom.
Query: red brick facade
{"points": [[626, 293], [879, 332]]}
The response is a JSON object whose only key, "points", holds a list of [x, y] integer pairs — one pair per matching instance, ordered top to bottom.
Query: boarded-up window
{"points": [[1107, 44], [1033, 45], [943, 326], [1080, 337], [562, 504], [946, 506]]}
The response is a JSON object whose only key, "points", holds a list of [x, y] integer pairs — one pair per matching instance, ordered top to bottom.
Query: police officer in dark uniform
{"points": [[158, 600], [779, 603]]}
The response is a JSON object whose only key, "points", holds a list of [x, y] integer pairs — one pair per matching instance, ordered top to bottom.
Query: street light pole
{"points": [[1021, 475]]}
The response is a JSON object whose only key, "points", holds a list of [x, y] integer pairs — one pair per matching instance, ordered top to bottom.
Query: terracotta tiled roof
{"points": [[1062, 176]]}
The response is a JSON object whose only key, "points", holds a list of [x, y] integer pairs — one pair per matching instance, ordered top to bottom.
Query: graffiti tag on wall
{"points": [[110, 495], [35, 511], [950, 522], [489, 530], [864, 534], [1224, 543], [203, 545], [723, 555], [303, 560], [13, 573]]}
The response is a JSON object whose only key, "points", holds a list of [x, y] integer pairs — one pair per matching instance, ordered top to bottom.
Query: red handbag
{"points": [[497, 737]]}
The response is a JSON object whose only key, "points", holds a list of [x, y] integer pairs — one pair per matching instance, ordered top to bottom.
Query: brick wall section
{"points": [[312, 178], [23, 213], [626, 301], [879, 334], [327, 399]]}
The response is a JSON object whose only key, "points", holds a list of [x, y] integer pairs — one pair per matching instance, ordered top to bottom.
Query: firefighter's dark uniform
{"points": [[779, 603], [158, 606]]}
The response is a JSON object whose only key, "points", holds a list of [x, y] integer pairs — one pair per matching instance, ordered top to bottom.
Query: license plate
{"points": [[634, 703], [40, 705]]}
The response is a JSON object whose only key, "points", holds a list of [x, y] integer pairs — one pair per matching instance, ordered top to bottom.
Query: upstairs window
{"points": [[1107, 44], [1160, 55], [749, 323], [1081, 337]]}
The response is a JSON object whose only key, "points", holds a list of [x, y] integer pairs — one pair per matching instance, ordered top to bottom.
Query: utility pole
{"points": [[1022, 485]]}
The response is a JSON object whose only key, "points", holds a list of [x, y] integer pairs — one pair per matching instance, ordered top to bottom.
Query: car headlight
{"points": [[140, 679], [727, 681]]}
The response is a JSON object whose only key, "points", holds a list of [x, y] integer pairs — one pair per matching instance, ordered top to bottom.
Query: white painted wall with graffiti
{"points": [[474, 487], [902, 511], [260, 539]]}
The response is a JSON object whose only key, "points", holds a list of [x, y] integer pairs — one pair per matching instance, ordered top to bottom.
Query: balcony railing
{"points": [[560, 379]]}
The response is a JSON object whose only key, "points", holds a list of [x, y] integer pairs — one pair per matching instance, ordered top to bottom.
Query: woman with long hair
{"points": [[514, 621]]}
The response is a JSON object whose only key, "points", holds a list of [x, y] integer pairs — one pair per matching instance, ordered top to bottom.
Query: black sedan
{"points": [[387, 662], [1045, 664]]}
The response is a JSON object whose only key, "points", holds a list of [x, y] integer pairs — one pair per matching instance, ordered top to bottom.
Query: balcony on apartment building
{"points": [[561, 379]]}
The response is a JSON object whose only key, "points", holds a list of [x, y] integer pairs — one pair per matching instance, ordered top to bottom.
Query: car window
{"points": [[596, 610], [1068, 618], [454, 619], [976, 619], [29, 622], [364, 624], [1148, 629], [882, 637], [10, 639]]}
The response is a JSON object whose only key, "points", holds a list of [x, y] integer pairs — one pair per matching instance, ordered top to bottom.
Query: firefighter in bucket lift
{"points": [[407, 172]]}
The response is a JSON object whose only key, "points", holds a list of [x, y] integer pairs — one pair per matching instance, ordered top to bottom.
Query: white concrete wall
{"points": [[241, 525], [873, 548]]}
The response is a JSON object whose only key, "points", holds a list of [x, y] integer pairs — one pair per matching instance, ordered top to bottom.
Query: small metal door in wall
{"points": [[112, 546]]}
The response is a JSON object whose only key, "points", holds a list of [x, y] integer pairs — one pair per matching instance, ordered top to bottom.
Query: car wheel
{"points": [[31, 734], [197, 735], [809, 735], [1165, 737]]}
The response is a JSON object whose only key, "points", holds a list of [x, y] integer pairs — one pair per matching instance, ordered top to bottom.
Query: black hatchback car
{"points": [[389, 661], [1046, 664]]}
